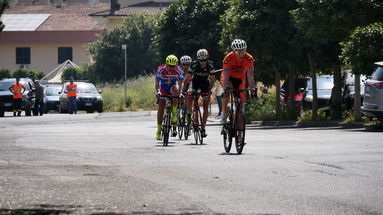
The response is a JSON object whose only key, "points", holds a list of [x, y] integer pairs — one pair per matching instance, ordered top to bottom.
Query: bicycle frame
{"points": [[197, 118], [166, 121], [230, 129]]}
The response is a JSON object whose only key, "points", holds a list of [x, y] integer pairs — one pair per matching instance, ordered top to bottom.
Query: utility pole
{"points": [[124, 48]]}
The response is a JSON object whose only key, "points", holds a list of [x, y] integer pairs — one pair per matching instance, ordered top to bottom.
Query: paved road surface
{"points": [[110, 164]]}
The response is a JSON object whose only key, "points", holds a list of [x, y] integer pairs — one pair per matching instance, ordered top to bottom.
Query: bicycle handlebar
{"points": [[169, 96]]}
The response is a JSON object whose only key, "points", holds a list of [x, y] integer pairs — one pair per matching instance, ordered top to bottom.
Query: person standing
{"points": [[17, 89], [219, 92], [72, 95], [39, 96]]}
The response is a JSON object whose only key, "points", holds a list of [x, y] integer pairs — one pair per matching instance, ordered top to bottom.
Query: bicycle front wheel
{"points": [[180, 123], [166, 126], [197, 126], [239, 130], [227, 134]]}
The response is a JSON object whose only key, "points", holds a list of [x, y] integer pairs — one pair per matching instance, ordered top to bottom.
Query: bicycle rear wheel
{"points": [[166, 127], [239, 130], [227, 133]]}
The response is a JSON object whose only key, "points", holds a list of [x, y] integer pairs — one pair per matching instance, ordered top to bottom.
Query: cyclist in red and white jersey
{"points": [[169, 77]]}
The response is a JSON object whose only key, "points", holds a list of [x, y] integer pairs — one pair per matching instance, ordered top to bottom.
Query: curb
{"points": [[308, 124]]}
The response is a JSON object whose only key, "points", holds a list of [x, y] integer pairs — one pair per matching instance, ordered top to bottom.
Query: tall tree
{"points": [[3, 5], [330, 22], [189, 25], [267, 27], [136, 32], [364, 47]]}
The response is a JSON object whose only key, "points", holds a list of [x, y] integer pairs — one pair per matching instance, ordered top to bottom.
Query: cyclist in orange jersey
{"points": [[238, 67]]}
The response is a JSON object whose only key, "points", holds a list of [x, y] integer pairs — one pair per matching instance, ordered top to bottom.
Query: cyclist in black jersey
{"points": [[202, 73]]}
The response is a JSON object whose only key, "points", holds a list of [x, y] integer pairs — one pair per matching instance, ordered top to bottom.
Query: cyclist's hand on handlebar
{"points": [[253, 93]]}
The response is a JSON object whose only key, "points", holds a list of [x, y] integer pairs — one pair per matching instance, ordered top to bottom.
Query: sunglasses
{"points": [[239, 52], [202, 60], [171, 66]]}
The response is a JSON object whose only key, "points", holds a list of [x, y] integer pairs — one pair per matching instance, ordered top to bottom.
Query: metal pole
{"points": [[124, 48], [125, 75]]}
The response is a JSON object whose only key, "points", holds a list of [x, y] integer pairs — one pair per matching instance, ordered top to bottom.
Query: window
{"points": [[65, 53], [23, 55]]}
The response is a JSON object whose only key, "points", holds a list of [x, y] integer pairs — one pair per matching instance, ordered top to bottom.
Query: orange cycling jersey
{"points": [[236, 68]]}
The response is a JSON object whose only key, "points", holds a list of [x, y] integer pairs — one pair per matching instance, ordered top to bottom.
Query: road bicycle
{"points": [[197, 118], [167, 120], [234, 127]]}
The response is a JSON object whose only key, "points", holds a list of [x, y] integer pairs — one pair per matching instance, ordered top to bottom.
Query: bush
{"points": [[4, 73], [28, 73], [140, 95], [323, 114]]}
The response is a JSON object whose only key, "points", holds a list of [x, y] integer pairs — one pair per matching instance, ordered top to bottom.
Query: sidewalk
{"points": [[304, 124]]}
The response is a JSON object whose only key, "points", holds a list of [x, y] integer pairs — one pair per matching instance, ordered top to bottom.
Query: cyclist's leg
{"points": [[225, 82], [174, 90], [205, 101], [242, 101], [160, 112], [160, 116]]}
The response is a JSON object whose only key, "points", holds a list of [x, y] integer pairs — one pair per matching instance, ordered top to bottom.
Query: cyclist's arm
{"points": [[226, 77], [250, 78], [186, 82], [157, 85], [23, 89]]}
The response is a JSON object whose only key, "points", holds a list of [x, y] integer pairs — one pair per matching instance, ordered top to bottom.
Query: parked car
{"points": [[325, 84], [300, 87], [348, 88], [373, 94], [6, 97], [52, 97], [88, 98]]}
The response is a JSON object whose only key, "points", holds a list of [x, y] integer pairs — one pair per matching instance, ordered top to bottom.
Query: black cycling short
{"points": [[236, 82], [201, 84]]}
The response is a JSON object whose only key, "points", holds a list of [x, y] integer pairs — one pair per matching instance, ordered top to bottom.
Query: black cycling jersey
{"points": [[200, 74]]}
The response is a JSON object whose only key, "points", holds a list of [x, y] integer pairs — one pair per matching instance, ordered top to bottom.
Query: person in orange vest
{"points": [[71, 88], [17, 89]]}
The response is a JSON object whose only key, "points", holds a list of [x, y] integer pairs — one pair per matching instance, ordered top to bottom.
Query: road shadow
{"points": [[69, 209], [41, 210]]}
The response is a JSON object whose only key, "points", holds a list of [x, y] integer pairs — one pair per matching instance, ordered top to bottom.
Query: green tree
{"points": [[3, 5], [329, 22], [189, 25], [267, 27], [137, 33], [364, 47], [71, 72]]}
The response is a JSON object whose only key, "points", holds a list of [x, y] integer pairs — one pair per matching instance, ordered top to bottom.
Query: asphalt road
{"points": [[110, 164]]}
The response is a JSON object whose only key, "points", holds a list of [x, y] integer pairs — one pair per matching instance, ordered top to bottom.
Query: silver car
{"points": [[373, 94]]}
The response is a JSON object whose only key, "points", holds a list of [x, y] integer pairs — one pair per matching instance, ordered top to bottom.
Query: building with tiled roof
{"points": [[42, 36]]}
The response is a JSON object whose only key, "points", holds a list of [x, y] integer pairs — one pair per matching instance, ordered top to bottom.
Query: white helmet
{"points": [[238, 45], [202, 54], [186, 60]]}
